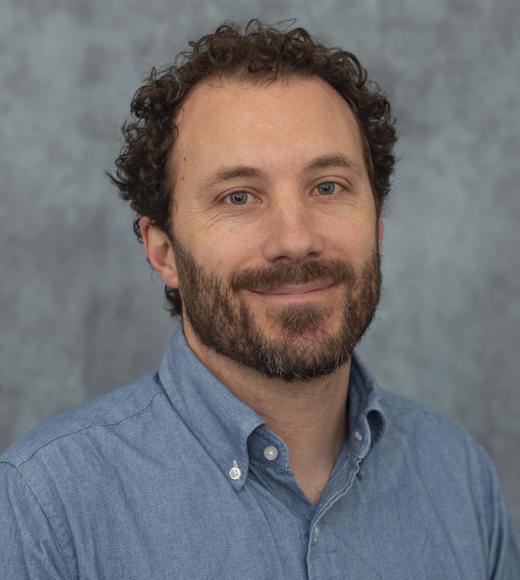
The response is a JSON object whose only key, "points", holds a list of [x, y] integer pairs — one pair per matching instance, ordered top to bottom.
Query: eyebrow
{"points": [[321, 162]]}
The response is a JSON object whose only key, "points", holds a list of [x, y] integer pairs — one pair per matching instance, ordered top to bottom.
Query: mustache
{"points": [[274, 277]]}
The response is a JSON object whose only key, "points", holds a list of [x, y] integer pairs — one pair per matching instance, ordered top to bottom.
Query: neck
{"points": [[310, 416]]}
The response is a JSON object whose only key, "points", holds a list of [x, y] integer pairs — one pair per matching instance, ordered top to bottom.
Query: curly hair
{"points": [[260, 55]]}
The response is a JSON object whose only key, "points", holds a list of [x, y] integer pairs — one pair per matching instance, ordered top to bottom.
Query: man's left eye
{"points": [[327, 187], [240, 197]]}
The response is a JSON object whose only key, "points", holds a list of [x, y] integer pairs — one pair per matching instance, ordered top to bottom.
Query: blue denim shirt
{"points": [[174, 477]]}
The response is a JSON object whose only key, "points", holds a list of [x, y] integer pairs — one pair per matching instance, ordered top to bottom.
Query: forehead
{"points": [[279, 125]]}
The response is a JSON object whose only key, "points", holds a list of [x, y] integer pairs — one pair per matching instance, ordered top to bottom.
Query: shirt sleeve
{"points": [[28, 546], [504, 552]]}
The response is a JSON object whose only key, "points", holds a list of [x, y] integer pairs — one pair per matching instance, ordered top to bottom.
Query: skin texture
{"points": [[285, 355]]}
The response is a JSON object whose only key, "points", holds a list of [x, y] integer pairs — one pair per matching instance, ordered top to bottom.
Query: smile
{"points": [[299, 293]]}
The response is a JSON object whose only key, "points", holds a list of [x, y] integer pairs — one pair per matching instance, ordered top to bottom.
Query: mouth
{"points": [[313, 288]]}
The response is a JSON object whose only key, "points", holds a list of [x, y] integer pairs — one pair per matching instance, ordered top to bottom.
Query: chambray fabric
{"points": [[136, 485]]}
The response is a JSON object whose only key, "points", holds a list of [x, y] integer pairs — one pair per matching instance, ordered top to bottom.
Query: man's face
{"points": [[272, 197]]}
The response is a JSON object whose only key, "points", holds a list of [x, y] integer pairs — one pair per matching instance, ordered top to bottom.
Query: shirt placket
{"points": [[321, 544]]}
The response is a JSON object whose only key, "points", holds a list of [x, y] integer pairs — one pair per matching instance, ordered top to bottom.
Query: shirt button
{"points": [[358, 435], [270, 452], [235, 472], [315, 534]]}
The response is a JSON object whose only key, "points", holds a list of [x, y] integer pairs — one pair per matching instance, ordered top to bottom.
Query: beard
{"points": [[223, 321]]}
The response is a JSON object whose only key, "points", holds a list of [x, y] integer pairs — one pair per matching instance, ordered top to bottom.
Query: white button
{"points": [[358, 435], [270, 452], [235, 472], [315, 534]]}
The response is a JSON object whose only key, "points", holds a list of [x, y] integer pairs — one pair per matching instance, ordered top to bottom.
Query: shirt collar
{"points": [[366, 418], [219, 420], [223, 423]]}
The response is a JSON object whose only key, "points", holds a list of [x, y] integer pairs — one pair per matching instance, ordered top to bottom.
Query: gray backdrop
{"points": [[80, 311]]}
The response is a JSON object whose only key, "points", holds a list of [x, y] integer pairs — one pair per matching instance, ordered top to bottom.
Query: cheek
{"points": [[356, 246], [224, 254]]}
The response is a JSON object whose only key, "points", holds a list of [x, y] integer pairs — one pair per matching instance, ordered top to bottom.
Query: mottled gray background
{"points": [[80, 312]]}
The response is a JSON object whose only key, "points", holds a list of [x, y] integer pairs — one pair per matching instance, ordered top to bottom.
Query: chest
{"points": [[173, 526]]}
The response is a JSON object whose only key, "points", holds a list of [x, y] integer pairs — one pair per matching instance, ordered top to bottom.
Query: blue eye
{"points": [[330, 187], [239, 196]]}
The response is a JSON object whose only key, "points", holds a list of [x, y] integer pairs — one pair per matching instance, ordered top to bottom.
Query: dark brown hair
{"points": [[259, 55]]}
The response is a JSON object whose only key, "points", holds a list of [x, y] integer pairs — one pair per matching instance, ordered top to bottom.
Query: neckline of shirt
{"points": [[224, 424]]}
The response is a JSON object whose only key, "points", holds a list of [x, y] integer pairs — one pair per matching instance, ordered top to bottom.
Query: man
{"points": [[262, 448]]}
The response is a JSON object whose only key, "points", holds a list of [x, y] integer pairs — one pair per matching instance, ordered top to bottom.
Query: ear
{"points": [[380, 233], [159, 252]]}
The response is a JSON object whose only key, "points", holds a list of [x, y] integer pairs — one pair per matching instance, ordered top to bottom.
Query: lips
{"points": [[299, 289]]}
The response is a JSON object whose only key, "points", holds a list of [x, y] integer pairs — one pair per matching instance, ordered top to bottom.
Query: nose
{"points": [[293, 232]]}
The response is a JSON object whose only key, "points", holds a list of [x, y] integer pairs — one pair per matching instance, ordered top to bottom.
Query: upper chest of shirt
{"points": [[236, 437], [186, 479]]}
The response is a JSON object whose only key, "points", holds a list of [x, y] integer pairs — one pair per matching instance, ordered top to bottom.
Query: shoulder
{"points": [[103, 413], [409, 417], [404, 424], [423, 427], [436, 450], [441, 458]]}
